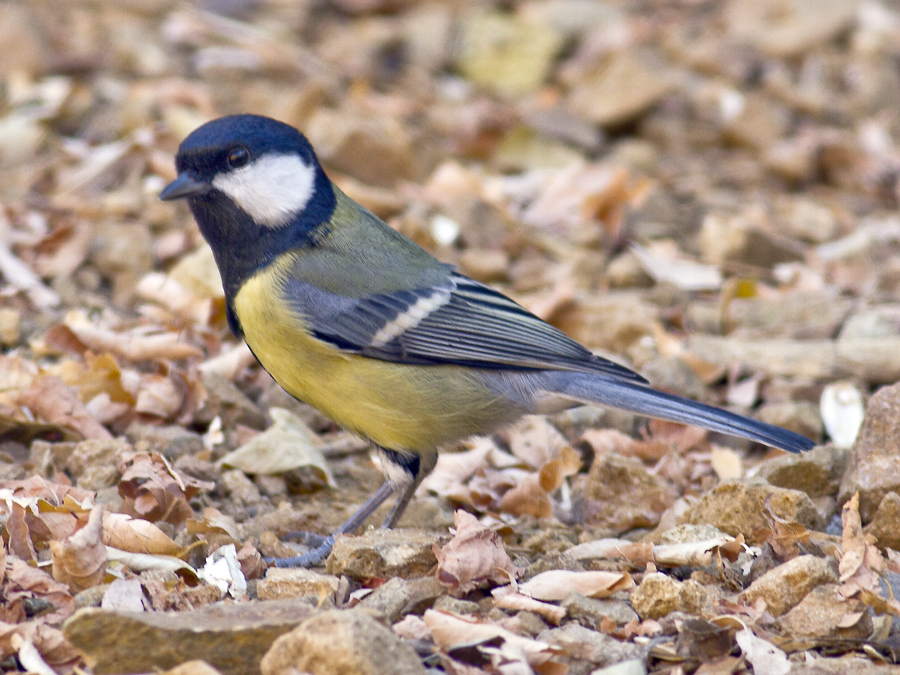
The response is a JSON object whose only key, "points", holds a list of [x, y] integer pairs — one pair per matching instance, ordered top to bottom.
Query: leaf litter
{"points": [[699, 191]]}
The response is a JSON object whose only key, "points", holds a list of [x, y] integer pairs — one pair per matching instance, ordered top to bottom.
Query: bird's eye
{"points": [[238, 158]]}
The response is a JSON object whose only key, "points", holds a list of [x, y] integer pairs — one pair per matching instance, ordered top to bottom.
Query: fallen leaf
{"points": [[287, 445], [473, 558], [79, 560], [557, 584]]}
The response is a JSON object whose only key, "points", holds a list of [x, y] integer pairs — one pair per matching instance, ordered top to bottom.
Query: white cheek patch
{"points": [[272, 190], [412, 317]]}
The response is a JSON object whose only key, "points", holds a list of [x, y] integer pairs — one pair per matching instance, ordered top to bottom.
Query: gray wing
{"points": [[458, 322]]}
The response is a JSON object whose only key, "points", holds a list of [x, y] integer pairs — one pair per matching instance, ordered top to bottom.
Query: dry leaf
{"points": [[287, 445], [153, 490], [136, 535], [474, 558], [79, 560], [557, 584], [507, 598]]}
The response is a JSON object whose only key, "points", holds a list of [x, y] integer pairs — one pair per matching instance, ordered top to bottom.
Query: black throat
{"points": [[242, 248]]}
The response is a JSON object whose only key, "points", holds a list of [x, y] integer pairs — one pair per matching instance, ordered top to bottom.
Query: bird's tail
{"points": [[640, 399]]}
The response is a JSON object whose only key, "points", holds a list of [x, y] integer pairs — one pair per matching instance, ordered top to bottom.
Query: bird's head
{"points": [[265, 168]]}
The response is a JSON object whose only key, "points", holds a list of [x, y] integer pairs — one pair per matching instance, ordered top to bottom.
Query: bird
{"points": [[355, 319]]}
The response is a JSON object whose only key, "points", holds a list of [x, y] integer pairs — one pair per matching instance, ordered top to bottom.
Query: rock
{"points": [[787, 28], [506, 54], [622, 87], [759, 123], [376, 150], [807, 220], [735, 239], [626, 271], [612, 321], [874, 322], [10, 326], [226, 401], [800, 416], [171, 441], [94, 461], [873, 468], [817, 472], [240, 490], [621, 494], [739, 507], [885, 524], [686, 534], [379, 554], [295, 582], [786, 585], [660, 594], [393, 600], [457, 606], [590, 611], [824, 613], [232, 638], [338, 642], [584, 649], [845, 665], [631, 667]]}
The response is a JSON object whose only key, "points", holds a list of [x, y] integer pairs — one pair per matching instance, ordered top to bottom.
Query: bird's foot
{"points": [[321, 547]]}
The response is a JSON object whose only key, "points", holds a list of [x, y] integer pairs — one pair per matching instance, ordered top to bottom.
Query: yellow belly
{"points": [[397, 406]]}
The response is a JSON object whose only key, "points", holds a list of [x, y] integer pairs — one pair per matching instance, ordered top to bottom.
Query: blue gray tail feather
{"points": [[640, 399]]}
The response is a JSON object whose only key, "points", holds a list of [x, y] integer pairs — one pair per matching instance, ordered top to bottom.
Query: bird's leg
{"points": [[401, 504], [321, 551]]}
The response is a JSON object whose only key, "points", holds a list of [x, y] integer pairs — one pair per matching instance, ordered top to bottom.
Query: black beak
{"points": [[182, 187]]}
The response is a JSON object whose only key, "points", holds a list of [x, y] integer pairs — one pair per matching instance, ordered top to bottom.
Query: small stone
{"points": [[506, 54], [623, 87], [759, 124], [377, 151], [808, 220], [734, 239], [484, 265], [626, 271], [874, 322], [10, 326], [226, 401], [801, 417], [170, 441], [94, 462], [872, 466], [817, 472], [240, 489], [622, 494], [739, 507], [885, 525], [686, 534], [380, 554], [295, 582], [786, 585], [660, 594], [398, 597], [457, 606], [590, 611], [824, 613], [233, 638], [336, 642], [584, 647]]}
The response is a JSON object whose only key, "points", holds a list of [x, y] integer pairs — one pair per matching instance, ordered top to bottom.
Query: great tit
{"points": [[355, 319]]}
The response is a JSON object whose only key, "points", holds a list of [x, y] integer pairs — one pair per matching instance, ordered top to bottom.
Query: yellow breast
{"points": [[398, 406]]}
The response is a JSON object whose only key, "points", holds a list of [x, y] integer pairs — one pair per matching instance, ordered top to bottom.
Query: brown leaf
{"points": [[57, 403], [153, 490], [136, 535], [474, 557], [79, 560], [28, 583], [557, 584]]}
